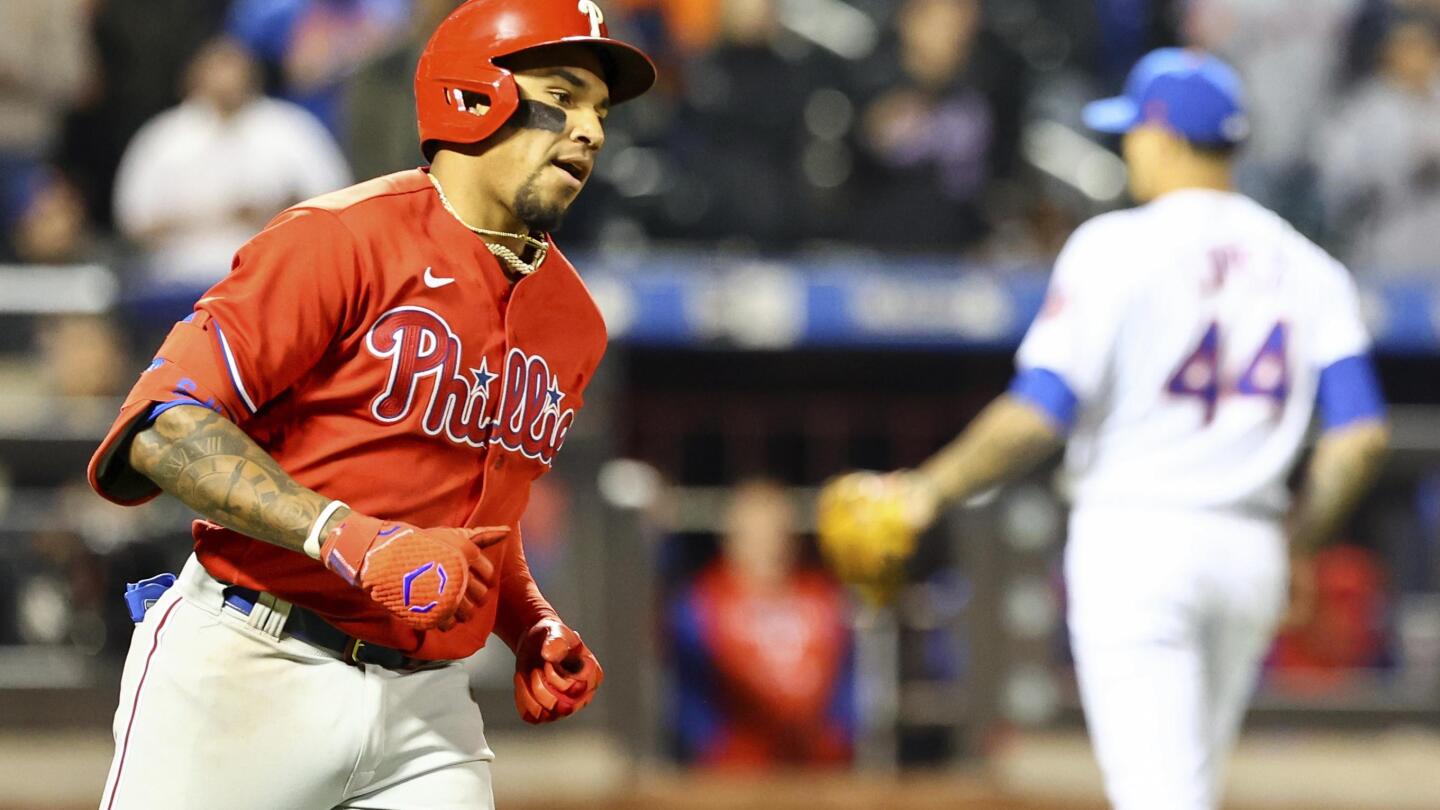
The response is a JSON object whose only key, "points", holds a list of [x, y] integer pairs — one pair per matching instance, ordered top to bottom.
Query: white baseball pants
{"points": [[1170, 614], [216, 712]]}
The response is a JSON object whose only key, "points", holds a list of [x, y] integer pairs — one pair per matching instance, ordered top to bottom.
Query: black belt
{"points": [[307, 626]]}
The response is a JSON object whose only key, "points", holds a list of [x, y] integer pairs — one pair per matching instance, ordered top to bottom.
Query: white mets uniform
{"points": [[1191, 334]]}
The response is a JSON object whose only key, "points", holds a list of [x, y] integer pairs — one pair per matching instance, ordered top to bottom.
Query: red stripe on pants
{"points": [[134, 706]]}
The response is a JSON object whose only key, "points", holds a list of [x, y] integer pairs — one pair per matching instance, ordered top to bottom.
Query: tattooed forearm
{"points": [[213, 467]]}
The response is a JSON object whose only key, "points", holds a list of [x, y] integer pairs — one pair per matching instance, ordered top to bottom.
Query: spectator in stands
{"points": [[689, 26], [1126, 30], [311, 46], [141, 48], [1287, 51], [45, 67], [937, 129], [744, 130], [377, 139], [1379, 159], [201, 178], [53, 226], [83, 356], [80, 368], [79, 555], [1342, 633], [761, 648]]}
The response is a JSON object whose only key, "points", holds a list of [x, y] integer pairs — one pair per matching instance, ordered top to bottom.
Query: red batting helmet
{"points": [[460, 59]]}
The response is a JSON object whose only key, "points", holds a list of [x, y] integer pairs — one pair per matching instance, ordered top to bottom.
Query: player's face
{"points": [[549, 152]]}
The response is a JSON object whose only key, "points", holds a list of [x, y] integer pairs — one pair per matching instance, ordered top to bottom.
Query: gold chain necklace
{"points": [[504, 254]]}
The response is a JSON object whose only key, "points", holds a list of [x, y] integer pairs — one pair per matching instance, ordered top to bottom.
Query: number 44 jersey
{"points": [[1191, 336]]}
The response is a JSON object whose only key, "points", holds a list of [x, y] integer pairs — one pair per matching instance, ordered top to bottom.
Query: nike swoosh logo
{"points": [[435, 283]]}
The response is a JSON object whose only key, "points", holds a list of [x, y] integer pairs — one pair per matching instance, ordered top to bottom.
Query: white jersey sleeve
{"points": [[1074, 335]]}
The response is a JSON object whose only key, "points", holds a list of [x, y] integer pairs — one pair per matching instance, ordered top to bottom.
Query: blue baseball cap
{"points": [[1193, 93]]}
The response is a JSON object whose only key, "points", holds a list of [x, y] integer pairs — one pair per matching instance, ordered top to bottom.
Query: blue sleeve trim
{"points": [[1047, 391], [1349, 391], [165, 406]]}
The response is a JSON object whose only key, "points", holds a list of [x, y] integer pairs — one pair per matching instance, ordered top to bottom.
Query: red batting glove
{"points": [[428, 578], [556, 675]]}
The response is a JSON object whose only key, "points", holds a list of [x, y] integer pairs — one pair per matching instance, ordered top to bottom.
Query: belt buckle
{"points": [[353, 655]]}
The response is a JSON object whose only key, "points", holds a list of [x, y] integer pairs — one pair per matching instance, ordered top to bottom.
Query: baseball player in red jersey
{"points": [[404, 354]]}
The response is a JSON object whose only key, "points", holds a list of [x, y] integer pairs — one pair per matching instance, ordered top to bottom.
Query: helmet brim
{"points": [[629, 73]]}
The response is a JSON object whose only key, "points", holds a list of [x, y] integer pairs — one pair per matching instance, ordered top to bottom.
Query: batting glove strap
{"points": [[345, 547]]}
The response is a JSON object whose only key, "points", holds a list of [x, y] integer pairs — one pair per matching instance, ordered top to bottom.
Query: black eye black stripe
{"points": [[534, 114]]}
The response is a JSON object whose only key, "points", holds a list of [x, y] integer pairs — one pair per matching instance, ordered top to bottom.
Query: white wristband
{"points": [[312, 540]]}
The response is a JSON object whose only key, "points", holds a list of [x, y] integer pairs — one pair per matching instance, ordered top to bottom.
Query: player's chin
{"points": [[542, 205]]}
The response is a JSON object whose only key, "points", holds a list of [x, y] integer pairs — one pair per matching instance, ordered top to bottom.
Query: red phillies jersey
{"points": [[371, 344], [778, 654], [775, 661]]}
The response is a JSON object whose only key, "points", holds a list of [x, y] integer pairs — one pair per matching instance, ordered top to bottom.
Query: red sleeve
{"points": [[292, 290], [521, 603]]}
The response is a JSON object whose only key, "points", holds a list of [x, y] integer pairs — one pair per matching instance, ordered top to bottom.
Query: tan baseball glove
{"points": [[867, 524]]}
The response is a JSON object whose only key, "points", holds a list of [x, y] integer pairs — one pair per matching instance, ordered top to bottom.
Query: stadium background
{"points": [[816, 245]]}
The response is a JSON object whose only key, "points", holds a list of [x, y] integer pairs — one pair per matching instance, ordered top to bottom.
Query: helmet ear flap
{"points": [[465, 110]]}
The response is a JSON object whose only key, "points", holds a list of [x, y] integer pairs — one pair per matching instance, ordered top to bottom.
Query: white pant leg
{"points": [[1248, 594], [1134, 602], [1143, 708], [216, 714], [434, 755], [457, 787]]}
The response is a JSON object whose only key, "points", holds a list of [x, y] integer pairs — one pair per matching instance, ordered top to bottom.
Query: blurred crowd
{"points": [[157, 134]]}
